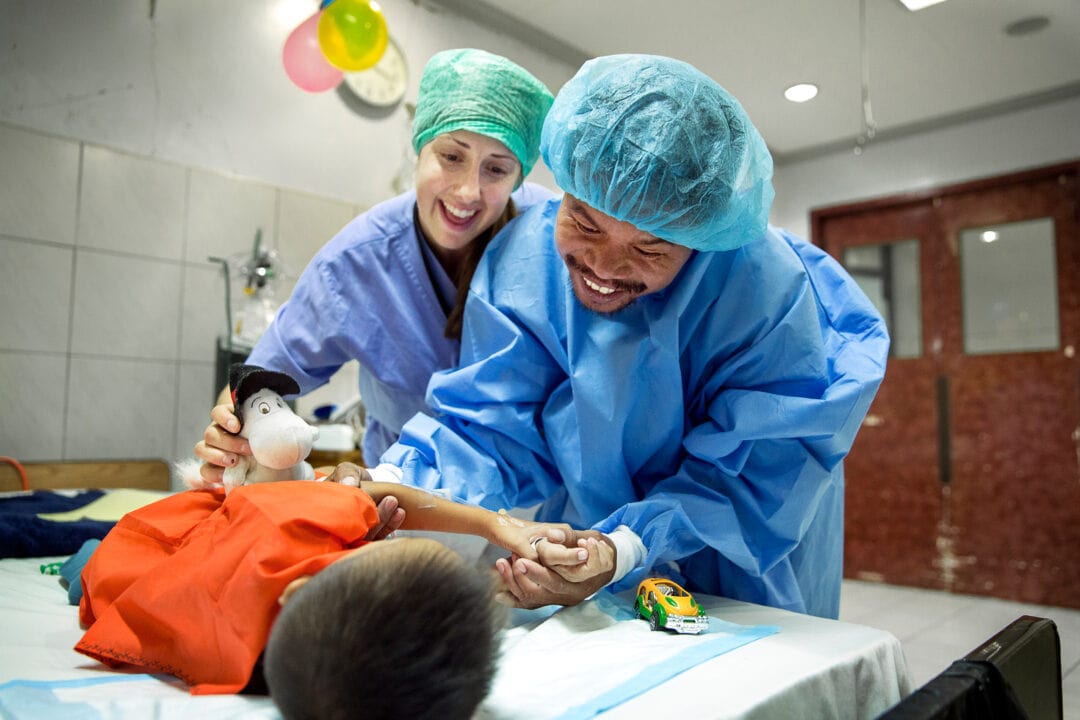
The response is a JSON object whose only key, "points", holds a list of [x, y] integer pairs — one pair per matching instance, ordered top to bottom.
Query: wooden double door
{"points": [[966, 473]]}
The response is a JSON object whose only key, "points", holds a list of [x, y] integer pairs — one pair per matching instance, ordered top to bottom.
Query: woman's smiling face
{"points": [[463, 182], [612, 263]]}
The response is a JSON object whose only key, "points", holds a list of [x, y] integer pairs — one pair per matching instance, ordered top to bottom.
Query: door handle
{"points": [[944, 431]]}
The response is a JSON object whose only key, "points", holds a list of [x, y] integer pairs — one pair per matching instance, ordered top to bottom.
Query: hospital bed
{"points": [[592, 660]]}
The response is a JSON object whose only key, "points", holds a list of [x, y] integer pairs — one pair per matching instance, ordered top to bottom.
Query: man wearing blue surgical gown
{"points": [[649, 359]]}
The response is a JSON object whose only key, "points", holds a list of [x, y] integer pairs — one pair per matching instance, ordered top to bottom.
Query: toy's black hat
{"points": [[246, 380]]}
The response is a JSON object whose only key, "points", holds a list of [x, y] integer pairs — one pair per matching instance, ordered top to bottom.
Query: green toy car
{"points": [[668, 607]]}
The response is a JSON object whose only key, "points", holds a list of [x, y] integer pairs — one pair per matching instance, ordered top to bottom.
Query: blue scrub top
{"points": [[370, 295], [711, 417]]}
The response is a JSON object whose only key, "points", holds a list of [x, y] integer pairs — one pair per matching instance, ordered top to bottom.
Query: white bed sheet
{"points": [[756, 662]]}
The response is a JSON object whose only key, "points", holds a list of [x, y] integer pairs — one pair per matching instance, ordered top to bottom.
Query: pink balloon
{"points": [[304, 61]]}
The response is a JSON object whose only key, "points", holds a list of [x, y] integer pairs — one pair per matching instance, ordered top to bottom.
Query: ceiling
{"points": [[948, 63]]}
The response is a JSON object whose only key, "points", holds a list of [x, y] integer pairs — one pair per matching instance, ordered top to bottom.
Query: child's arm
{"points": [[426, 511]]}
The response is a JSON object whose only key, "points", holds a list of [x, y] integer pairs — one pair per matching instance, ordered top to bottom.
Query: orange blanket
{"points": [[189, 585]]}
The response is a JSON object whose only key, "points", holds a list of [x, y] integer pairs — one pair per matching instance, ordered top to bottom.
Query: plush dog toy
{"points": [[280, 440]]}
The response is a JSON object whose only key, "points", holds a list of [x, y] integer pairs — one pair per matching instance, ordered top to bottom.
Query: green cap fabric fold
{"points": [[474, 90]]}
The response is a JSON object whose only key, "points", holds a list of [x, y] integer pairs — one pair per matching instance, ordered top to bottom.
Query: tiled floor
{"points": [[936, 628]]}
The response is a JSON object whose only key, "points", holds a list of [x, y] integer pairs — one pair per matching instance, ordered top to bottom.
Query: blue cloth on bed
{"points": [[24, 534], [603, 632], [137, 696]]}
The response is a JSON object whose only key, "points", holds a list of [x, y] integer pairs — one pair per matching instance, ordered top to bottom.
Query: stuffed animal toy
{"points": [[280, 440]]}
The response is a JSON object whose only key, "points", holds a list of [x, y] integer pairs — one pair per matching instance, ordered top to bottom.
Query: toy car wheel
{"points": [[654, 621]]}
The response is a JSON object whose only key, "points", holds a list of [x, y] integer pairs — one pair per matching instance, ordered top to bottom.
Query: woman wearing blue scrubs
{"points": [[389, 289]]}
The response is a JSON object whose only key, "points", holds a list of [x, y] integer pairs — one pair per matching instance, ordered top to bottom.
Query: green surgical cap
{"points": [[486, 94], [654, 142]]}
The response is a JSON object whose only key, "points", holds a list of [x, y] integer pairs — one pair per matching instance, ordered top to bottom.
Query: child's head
{"points": [[403, 628]]}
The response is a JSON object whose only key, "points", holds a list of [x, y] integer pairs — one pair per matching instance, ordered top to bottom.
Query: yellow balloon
{"points": [[353, 34]]}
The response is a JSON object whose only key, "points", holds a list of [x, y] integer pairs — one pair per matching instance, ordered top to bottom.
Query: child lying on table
{"points": [[191, 585]]}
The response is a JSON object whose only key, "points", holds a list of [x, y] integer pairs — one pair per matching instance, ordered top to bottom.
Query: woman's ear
{"points": [[291, 588]]}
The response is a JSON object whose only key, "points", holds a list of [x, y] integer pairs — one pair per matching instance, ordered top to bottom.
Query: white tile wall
{"points": [[38, 184], [132, 204], [224, 214], [305, 224], [35, 294], [125, 306], [109, 308], [203, 312], [195, 398], [32, 405], [120, 409]]}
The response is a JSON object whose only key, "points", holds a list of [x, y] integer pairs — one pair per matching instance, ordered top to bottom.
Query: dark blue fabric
{"points": [[24, 534]]}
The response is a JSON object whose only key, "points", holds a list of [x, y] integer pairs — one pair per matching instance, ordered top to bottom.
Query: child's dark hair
{"points": [[400, 639]]}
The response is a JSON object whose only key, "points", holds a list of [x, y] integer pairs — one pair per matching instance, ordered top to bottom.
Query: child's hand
{"points": [[348, 473], [390, 518], [521, 537], [579, 555]]}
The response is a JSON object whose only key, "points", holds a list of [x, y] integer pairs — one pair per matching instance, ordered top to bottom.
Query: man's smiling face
{"points": [[612, 263]]}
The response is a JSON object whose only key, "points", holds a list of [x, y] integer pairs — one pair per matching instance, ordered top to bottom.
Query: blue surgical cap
{"points": [[654, 142]]}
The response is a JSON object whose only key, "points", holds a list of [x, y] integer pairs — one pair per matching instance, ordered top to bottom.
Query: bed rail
{"points": [[142, 474]]}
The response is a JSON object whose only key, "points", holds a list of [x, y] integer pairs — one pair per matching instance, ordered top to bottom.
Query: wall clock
{"points": [[384, 85]]}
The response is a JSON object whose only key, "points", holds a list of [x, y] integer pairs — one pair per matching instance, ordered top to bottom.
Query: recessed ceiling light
{"points": [[914, 5], [801, 92], [989, 236]]}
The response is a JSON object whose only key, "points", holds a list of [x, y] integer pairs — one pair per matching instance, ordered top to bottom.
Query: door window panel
{"points": [[889, 275], [1009, 286]]}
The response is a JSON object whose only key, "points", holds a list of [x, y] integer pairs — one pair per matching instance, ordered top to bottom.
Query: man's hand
{"points": [[220, 447], [390, 515], [528, 584]]}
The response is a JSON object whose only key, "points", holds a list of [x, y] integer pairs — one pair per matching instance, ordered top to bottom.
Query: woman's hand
{"points": [[221, 446]]}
